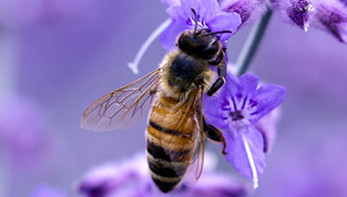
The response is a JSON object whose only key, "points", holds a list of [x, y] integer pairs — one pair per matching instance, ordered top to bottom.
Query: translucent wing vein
{"points": [[122, 107]]}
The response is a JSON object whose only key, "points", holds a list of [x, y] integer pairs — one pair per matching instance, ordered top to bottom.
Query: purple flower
{"points": [[249, 10], [298, 12], [209, 15], [329, 15], [332, 15], [238, 107], [131, 178], [111, 179]]}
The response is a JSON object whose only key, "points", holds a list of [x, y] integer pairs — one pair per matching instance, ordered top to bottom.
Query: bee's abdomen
{"points": [[170, 143]]}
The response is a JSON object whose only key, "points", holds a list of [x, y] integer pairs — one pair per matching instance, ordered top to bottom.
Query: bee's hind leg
{"points": [[214, 134]]}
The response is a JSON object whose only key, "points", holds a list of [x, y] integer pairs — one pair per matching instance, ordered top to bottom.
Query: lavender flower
{"points": [[249, 10], [299, 12], [332, 14], [209, 15], [329, 15], [238, 107], [131, 178]]}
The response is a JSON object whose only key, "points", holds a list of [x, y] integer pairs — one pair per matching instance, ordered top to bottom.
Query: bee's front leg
{"points": [[222, 71]]}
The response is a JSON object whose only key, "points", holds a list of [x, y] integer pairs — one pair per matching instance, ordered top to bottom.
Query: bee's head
{"points": [[200, 43]]}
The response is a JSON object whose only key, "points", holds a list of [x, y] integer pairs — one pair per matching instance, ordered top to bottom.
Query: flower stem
{"points": [[252, 43]]}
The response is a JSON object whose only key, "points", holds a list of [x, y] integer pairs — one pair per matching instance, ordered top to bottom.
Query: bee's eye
{"points": [[210, 51]]}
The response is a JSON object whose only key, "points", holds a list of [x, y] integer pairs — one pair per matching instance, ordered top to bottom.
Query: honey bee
{"points": [[176, 127]]}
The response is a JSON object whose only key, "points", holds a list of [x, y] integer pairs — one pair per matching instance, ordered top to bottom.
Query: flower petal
{"points": [[209, 9], [249, 10], [177, 13], [333, 16], [225, 21], [249, 82], [232, 86], [240, 89], [266, 98], [216, 110], [267, 127], [250, 162]]}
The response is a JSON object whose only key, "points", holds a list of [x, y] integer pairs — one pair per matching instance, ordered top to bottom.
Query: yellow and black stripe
{"points": [[170, 142]]}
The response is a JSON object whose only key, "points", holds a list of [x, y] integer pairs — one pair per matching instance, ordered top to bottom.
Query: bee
{"points": [[176, 127]]}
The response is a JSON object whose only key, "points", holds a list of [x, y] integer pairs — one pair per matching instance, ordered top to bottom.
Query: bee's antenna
{"points": [[196, 20], [219, 32]]}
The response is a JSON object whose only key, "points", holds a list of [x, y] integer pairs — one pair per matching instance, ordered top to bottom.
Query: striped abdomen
{"points": [[171, 136]]}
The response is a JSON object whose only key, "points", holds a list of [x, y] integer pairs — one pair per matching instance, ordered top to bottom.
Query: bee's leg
{"points": [[219, 58], [222, 71], [153, 91], [214, 134]]}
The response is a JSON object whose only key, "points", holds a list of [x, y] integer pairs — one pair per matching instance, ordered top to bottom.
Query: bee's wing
{"points": [[121, 107], [195, 169]]}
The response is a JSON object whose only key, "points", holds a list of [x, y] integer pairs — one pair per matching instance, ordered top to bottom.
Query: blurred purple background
{"points": [[57, 57]]}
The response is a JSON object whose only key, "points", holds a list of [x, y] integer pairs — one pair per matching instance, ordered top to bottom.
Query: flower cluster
{"points": [[216, 15], [329, 15], [131, 178]]}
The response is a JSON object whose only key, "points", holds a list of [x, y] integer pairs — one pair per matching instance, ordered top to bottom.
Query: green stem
{"points": [[252, 43]]}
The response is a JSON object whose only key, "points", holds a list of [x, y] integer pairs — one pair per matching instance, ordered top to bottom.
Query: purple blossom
{"points": [[249, 10], [298, 12], [209, 15], [329, 15], [332, 15], [238, 107], [131, 178]]}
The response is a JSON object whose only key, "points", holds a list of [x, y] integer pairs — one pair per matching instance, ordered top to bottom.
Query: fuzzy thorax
{"points": [[181, 74]]}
